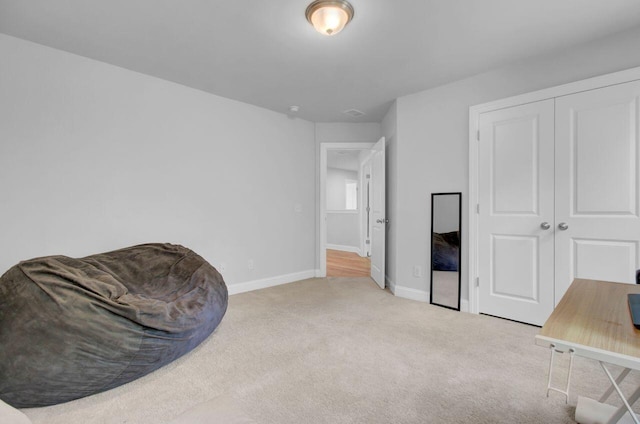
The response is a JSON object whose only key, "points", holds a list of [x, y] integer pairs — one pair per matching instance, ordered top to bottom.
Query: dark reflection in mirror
{"points": [[445, 249]]}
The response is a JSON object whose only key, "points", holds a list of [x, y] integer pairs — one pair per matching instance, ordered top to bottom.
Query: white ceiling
{"points": [[265, 53], [348, 160]]}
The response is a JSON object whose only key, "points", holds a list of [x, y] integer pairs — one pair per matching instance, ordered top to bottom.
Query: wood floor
{"points": [[347, 264]]}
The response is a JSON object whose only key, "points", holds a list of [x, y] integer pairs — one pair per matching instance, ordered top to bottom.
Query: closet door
{"points": [[516, 216], [597, 232]]}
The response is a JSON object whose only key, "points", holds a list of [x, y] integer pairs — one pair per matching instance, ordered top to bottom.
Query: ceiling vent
{"points": [[354, 112]]}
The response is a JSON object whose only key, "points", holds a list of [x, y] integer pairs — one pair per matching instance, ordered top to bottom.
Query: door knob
{"points": [[382, 221], [545, 225], [563, 226]]}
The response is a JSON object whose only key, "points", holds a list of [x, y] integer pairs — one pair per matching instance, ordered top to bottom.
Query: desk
{"points": [[593, 320]]}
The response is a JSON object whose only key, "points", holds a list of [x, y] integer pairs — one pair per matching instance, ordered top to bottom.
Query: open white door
{"points": [[379, 220]]}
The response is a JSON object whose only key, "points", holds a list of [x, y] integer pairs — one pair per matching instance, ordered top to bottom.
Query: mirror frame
{"points": [[433, 195]]}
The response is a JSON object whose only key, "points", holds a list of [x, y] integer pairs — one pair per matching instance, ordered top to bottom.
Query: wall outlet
{"points": [[250, 264], [417, 271]]}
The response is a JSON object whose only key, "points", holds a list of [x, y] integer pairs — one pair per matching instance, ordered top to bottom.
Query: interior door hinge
{"points": [[478, 135], [368, 176], [477, 208], [477, 281]]}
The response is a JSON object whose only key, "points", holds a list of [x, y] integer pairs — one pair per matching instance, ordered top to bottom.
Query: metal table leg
{"points": [[565, 392], [589, 411]]}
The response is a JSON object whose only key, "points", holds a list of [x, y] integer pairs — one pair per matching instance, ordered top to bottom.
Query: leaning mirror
{"points": [[445, 249]]}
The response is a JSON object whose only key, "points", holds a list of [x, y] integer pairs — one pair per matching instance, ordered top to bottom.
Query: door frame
{"points": [[474, 132], [322, 207]]}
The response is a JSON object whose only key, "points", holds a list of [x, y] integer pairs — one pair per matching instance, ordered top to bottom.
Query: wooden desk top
{"points": [[595, 314]]}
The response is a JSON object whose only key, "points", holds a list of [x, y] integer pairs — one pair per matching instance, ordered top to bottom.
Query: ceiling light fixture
{"points": [[329, 17]]}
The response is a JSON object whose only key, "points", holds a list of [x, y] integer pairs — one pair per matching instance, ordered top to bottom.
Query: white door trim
{"points": [[474, 114], [322, 209]]}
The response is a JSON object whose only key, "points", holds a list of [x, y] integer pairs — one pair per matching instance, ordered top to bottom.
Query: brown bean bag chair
{"points": [[73, 327]]}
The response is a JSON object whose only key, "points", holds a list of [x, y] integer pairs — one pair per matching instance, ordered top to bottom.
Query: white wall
{"points": [[340, 132], [432, 144], [94, 157], [343, 159], [336, 188], [343, 228], [343, 231]]}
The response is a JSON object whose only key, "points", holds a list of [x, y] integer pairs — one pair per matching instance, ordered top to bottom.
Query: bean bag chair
{"points": [[70, 328]]}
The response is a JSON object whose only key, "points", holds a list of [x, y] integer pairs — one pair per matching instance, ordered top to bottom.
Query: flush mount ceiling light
{"points": [[329, 17]]}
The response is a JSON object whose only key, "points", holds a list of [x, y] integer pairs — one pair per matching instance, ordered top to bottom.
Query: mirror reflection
{"points": [[445, 249]]}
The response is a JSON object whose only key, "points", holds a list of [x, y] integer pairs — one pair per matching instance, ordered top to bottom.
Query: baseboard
{"points": [[344, 248], [270, 282], [391, 284], [400, 291], [409, 293], [419, 295], [464, 305]]}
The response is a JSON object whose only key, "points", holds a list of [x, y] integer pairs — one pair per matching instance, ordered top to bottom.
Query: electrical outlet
{"points": [[250, 264], [417, 271]]}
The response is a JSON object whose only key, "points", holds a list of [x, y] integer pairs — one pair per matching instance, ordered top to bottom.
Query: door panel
{"points": [[602, 141], [515, 172], [597, 185], [378, 210], [515, 254], [619, 256], [516, 275]]}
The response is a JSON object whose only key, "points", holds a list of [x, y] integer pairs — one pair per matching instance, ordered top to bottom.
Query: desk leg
{"points": [[625, 372], [565, 392], [624, 400], [589, 411], [620, 412]]}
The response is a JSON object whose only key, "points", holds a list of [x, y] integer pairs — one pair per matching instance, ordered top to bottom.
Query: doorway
{"points": [[349, 201], [347, 212]]}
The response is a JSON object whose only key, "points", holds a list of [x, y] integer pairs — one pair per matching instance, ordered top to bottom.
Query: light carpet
{"points": [[340, 350]]}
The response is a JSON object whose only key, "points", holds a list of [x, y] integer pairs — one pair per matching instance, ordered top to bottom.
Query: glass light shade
{"points": [[329, 17]]}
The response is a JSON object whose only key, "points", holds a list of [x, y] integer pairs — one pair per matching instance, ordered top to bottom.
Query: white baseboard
{"points": [[351, 249], [318, 274], [270, 282], [391, 284], [400, 291], [409, 293], [419, 295], [464, 305]]}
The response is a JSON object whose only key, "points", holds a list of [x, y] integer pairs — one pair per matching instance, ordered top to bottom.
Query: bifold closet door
{"points": [[516, 215], [597, 232]]}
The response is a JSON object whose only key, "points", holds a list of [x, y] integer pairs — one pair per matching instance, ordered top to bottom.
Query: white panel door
{"points": [[378, 210], [516, 218], [597, 232]]}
